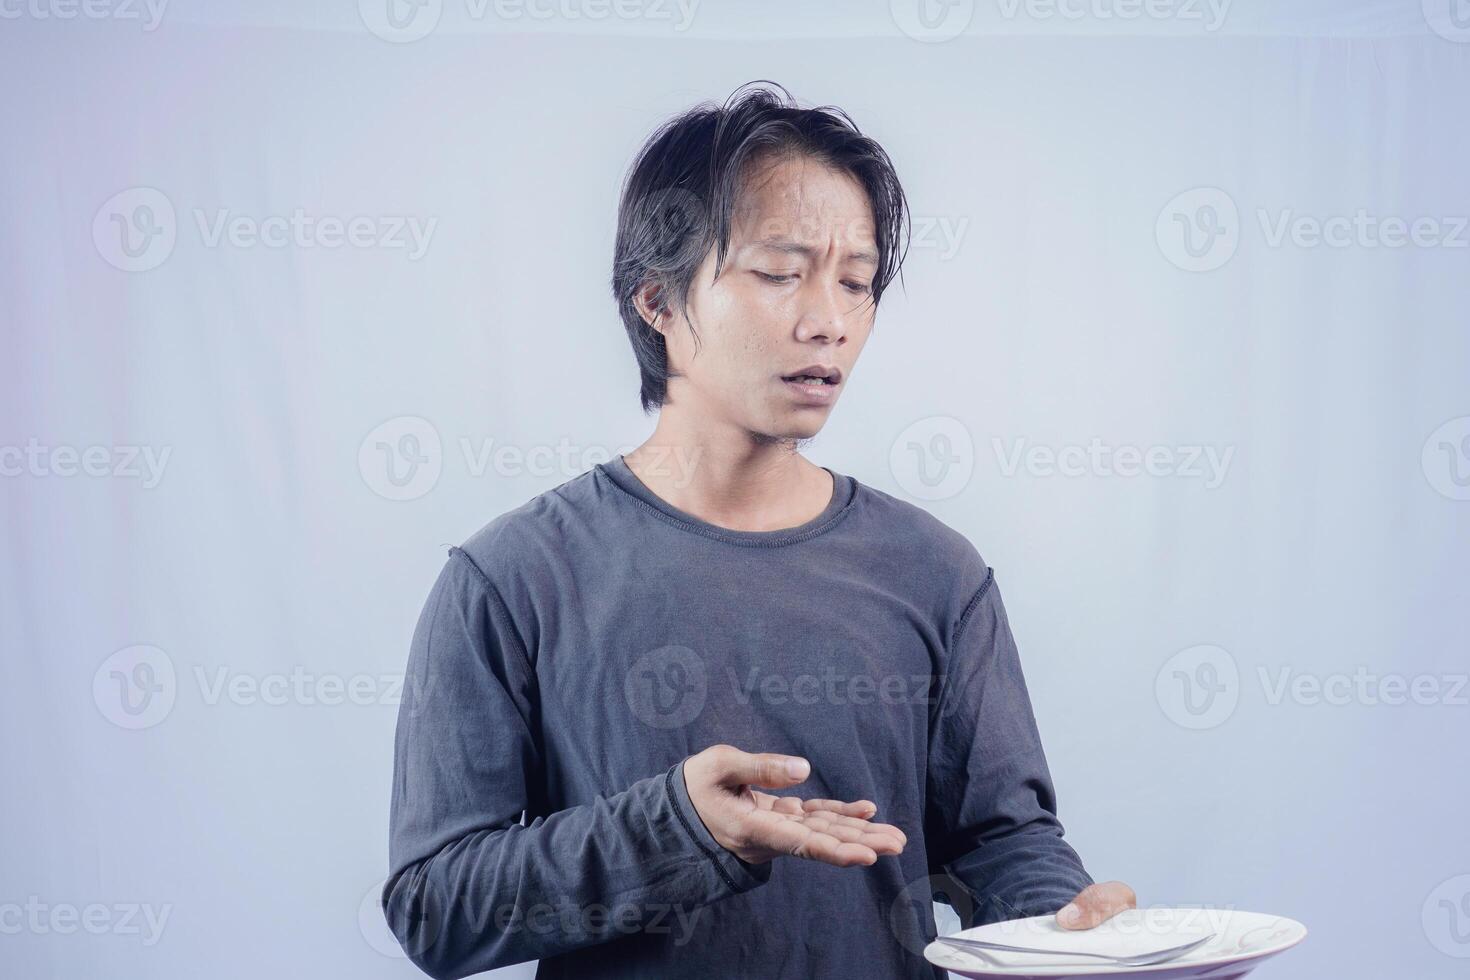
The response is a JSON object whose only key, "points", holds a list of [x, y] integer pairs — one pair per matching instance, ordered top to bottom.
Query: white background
{"points": [[1051, 146]]}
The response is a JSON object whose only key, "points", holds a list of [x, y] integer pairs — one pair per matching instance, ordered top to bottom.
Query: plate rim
{"points": [[1068, 971]]}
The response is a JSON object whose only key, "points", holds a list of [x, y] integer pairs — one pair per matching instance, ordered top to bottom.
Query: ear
{"points": [[648, 299]]}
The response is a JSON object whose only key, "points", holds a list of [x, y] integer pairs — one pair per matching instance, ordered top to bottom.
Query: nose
{"points": [[826, 313]]}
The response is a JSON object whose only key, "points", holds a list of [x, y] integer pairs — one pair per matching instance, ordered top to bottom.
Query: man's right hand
{"points": [[756, 826]]}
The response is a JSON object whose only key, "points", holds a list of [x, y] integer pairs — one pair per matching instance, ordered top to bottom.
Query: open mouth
{"points": [[815, 377]]}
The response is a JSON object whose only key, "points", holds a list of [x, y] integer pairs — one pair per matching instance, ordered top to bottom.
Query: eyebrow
{"points": [[796, 248]]}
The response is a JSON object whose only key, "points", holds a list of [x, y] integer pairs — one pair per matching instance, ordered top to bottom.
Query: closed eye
{"points": [[860, 288]]}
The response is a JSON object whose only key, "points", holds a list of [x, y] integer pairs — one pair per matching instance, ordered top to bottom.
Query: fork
{"points": [[1140, 959]]}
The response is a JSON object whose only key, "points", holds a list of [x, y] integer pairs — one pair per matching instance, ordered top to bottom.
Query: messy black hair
{"points": [[678, 197]]}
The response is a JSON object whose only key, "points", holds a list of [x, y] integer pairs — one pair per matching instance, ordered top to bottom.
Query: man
{"points": [[656, 710]]}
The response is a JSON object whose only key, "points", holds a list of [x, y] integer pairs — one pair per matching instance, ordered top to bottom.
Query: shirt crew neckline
{"points": [[844, 494]]}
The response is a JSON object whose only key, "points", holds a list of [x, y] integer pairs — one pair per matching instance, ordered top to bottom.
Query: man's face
{"points": [[794, 296]]}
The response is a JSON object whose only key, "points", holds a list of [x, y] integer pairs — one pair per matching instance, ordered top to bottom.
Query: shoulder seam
{"points": [[497, 605], [959, 630]]}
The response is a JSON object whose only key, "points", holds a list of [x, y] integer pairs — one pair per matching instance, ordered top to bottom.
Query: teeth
{"points": [[809, 380]]}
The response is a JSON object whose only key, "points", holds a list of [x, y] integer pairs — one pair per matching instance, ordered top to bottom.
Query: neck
{"points": [[729, 476]]}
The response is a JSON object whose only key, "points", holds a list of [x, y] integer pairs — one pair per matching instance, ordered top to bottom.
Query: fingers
{"points": [[736, 768], [786, 804], [860, 808], [845, 821], [833, 831], [792, 837], [826, 837], [881, 838], [891, 838], [876, 841], [842, 854], [1096, 904]]}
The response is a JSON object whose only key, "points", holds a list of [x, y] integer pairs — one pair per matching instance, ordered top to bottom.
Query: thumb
{"points": [[762, 769], [1096, 904]]}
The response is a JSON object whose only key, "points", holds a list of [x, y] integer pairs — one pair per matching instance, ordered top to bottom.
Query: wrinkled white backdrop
{"points": [[293, 298]]}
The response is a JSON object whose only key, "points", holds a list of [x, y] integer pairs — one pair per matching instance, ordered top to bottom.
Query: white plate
{"points": [[1242, 940]]}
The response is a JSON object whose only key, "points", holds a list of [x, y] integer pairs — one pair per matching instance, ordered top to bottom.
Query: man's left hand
{"points": [[1096, 904]]}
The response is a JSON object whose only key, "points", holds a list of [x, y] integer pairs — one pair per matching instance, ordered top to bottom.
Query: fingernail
{"points": [[796, 768], [1069, 914]]}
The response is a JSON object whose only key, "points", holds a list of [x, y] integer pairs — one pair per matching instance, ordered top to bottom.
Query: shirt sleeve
{"points": [[993, 824], [473, 886]]}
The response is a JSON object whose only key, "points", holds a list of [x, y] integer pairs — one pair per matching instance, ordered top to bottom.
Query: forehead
{"points": [[802, 200]]}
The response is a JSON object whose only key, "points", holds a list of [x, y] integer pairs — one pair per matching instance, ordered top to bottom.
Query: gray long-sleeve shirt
{"points": [[576, 650]]}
